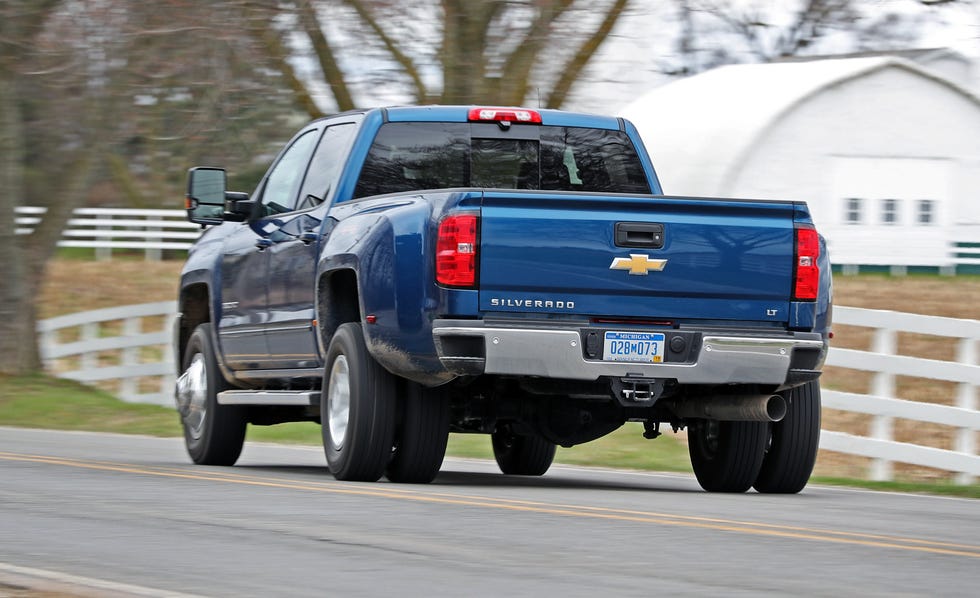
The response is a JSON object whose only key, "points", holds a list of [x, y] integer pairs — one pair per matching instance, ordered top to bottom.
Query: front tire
{"points": [[357, 408], [213, 433], [793, 443], [522, 455], [726, 455]]}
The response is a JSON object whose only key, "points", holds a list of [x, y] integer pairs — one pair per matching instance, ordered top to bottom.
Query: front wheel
{"points": [[357, 408], [213, 433], [793, 443], [522, 455], [726, 456]]}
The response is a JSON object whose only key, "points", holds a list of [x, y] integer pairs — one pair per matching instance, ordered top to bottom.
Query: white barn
{"points": [[886, 151]]}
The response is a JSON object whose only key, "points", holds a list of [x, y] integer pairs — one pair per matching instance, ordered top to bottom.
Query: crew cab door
{"points": [[245, 262], [241, 331], [291, 332]]}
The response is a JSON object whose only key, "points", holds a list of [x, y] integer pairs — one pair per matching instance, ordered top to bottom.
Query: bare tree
{"points": [[714, 32], [453, 51], [25, 55], [97, 90]]}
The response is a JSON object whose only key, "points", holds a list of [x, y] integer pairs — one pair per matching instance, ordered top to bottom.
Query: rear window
{"points": [[416, 156]]}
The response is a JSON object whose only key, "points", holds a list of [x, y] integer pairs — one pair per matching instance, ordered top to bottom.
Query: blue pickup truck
{"points": [[403, 273]]}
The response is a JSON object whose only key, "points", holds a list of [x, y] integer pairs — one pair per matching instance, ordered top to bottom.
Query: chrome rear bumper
{"points": [[557, 353]]}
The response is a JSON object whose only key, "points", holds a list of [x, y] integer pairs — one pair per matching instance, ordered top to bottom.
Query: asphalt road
{"points": [[112, 515]]}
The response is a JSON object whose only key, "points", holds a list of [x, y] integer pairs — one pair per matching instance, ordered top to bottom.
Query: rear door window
{"points": [[324, 170]]}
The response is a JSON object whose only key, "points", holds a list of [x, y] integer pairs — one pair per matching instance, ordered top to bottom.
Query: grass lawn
{"points": [[38, 401], [42, 402]]}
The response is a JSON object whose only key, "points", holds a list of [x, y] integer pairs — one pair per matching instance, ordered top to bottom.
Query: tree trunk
{"points": [[464, 67], [24, 257], [18, 351]]}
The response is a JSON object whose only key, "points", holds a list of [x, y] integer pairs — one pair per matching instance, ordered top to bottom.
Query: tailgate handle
{"points": [[640, 234]]}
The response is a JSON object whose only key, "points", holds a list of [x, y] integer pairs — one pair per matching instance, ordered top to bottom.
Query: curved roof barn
{"points": [[699, 130], [883, 149]]}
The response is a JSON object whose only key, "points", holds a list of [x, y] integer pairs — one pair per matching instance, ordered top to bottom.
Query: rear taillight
{"points": [[456, 251], [806, 273]]}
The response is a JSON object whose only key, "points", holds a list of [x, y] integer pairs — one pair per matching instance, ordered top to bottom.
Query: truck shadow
{"points": [[555, 479], [563, 480]]}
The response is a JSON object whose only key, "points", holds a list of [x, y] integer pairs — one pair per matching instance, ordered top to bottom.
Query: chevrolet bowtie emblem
{"points": [[638, 264]]}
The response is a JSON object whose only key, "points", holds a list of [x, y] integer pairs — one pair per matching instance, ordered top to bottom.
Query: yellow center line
{"points": [[327, 485], [566, 510]]}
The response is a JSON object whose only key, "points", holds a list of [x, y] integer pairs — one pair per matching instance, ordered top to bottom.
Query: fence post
{"points": [[104, 252], [153, 254], [49, 340], [89, 360], [883, 385], [128, 387], [966, 398]]}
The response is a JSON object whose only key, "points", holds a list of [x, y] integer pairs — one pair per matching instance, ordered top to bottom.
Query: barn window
{"points": [[852, 210], [889, 211], [926, 212]]}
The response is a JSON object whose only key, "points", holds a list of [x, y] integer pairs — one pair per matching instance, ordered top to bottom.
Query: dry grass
{"points": [[75, 285], [81, 285], [953, 297]]}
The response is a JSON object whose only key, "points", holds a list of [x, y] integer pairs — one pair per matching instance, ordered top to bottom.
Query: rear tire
{"points": [[357, 408], [213, 433], [421, 436], [793, 443], [522, 455], [726, 456]]}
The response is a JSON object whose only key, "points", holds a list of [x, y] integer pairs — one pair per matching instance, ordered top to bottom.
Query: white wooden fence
{"points": [[105, 229], [96, 334], [112, 345], [886, 365]]}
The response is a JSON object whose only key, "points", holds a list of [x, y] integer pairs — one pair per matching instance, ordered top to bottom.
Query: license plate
{"points": [[643, 347]]}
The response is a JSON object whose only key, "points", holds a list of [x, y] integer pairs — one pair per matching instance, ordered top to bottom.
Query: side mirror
{"points": [[206, 195], [238, 206]]}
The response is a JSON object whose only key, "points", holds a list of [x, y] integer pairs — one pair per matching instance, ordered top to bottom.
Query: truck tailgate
{"points": [[601, 256]]}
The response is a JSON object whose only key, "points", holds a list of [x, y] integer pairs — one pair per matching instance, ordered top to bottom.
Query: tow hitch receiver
{"points": [[635, 391]]}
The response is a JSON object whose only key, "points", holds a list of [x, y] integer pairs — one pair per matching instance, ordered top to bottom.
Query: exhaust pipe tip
{"points": [[776, 408]]}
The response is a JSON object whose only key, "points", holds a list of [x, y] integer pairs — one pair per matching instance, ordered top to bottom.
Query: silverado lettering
{"points": [[395, 277], [546, 304]]}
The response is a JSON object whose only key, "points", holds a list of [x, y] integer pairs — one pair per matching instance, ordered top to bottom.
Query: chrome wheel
{"points": [[192, 396], [338, 402], [358, 408], [213, 433]]}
